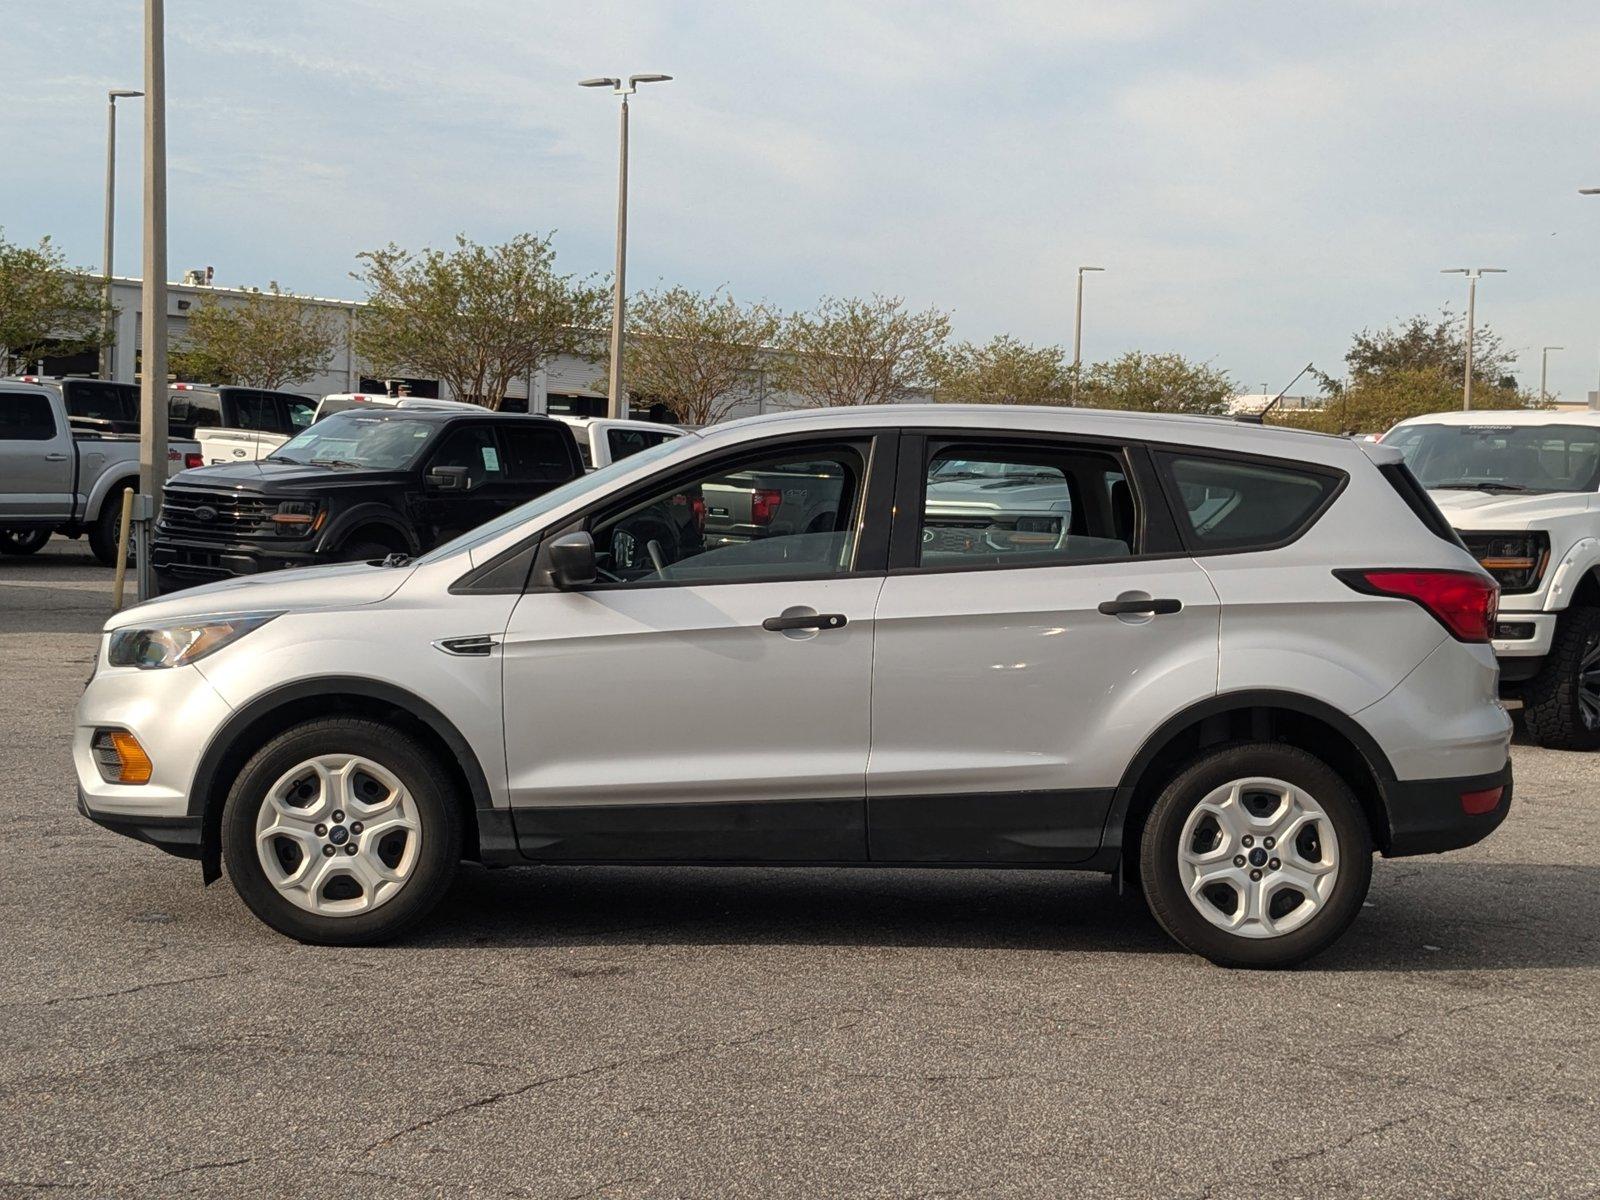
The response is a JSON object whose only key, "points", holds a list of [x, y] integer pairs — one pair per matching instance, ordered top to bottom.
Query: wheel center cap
{"points": [[338, 835], [1258, 856]]}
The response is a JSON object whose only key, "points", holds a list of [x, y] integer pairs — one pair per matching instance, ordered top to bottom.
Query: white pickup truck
{"points": [[603, 440], [231, 442], [69, 448], [1522, 490]]}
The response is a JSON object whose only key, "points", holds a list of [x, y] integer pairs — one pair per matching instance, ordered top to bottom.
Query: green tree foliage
{"points": [[45, 306], [475, 317], [268, 339], [1425, 343], [860, 351], [697, 354], [1004, 371], [1156, 383], [1377, 401]]}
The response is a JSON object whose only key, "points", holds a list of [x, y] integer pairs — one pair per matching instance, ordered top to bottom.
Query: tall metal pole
{"points": [[111, 226], [1472, 303], [153, 333], [1077, 335], [1544, 372], [617, 402]]}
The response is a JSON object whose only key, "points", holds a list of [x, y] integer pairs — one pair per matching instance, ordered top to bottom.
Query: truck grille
{"points": [[194, 511]]}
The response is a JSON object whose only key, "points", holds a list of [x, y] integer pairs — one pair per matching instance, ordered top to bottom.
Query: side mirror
{"points": [[448, 479], [572, 561]]}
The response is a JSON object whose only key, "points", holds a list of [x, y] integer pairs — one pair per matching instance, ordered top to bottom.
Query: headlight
{"points": [[296, 518], [1516, 560], [180, 643]]}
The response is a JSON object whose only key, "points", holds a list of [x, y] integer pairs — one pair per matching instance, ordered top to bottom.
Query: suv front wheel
{"points": [[341, 831], [1256, 855]]}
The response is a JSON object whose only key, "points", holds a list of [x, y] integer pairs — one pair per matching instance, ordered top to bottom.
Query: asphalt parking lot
{"points": [[589, 1032]]}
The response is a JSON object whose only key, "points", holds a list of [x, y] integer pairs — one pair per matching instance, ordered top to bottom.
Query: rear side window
{"points": [[96, 400], [188, 411], [258, 411], [25, 417], [623, 442], [536, 455], [1244, 504]]}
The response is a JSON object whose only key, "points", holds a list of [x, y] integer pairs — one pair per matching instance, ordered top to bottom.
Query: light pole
{"points": [[112, 97], [1590, 192], [1472, 274], [153, 331], [1077, 333], [1544, 370], [617, 402]]}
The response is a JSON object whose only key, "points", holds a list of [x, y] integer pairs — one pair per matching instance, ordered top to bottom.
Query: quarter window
{"points": [[25, 417], [623, 442], [536, 455], [998, 504], [1238, 504], [780, 517]]}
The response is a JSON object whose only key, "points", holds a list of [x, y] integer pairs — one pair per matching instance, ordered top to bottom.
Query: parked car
{"points": [[237, 424], [603, 440], [69, 449], [358, 485], [1522, 489], [1232, 709]]}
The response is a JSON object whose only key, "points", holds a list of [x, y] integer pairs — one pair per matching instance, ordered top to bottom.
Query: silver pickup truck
{"points": [[67, 453]]}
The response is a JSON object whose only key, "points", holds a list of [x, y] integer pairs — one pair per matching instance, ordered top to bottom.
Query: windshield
{"points": [[352, 439], [1501, 458], [552, 500]]}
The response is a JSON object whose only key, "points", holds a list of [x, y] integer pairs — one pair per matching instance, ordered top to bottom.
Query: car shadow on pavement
{"points": [[1422, 916]]}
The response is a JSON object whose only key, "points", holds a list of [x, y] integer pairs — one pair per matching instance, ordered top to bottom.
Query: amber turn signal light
{"points": [[120, 757]]}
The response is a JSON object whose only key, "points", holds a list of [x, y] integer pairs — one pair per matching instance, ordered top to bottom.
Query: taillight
{"points": [[194, 459], [764, 504], [697, 507], [1464, 602]]}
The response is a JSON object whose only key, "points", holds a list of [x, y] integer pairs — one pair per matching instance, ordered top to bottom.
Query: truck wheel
{"points": [[103, 533], [23, 541], [363, 552], [1561, 704], [341, 831], [1256, 855]]}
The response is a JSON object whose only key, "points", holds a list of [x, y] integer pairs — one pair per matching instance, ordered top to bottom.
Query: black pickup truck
{"points": [[357, 485]]}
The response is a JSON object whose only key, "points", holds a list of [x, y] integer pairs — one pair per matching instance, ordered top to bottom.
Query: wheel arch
{"points": [[114, 479], [375, 517], [272, 712], [1259, 715]]}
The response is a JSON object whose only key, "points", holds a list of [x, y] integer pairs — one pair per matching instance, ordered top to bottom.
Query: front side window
{"points": [[188, 411], [301, 413], [26, 417], [355, 439], [473, 448], [1501, 458], [1013, 504], [1245, 504], [778, 517]]}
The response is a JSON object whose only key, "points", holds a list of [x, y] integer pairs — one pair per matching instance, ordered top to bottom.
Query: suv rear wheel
{"points": [[1561, 704], [341, 831], [1256, 855]]}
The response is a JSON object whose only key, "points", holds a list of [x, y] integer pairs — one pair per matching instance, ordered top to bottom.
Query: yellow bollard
{"points": [[122, 549]]}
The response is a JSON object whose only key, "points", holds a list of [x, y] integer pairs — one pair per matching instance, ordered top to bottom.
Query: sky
{"points": [[1259, 179]]}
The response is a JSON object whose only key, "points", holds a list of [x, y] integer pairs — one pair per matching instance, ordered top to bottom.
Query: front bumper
{"points": [[184, 562], [1528, 634], [1426, 816], [175, 835]]}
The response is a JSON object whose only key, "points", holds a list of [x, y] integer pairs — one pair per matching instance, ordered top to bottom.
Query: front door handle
{"points": [[55, 458], [1145, 607], [805, 621]]}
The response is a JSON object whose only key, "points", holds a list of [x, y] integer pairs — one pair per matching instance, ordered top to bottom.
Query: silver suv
{"points": [[1230, 665]]}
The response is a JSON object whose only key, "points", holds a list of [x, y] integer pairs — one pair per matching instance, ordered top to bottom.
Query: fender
{"points": [[112, 477], [370, 513], [1581, 559], [1226, 702], [204, 805]]}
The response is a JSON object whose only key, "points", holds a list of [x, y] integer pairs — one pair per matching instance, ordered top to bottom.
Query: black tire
{"points": [[103, 533], [23, 541], [1552, 705], [438, 808], [1159, 844]]}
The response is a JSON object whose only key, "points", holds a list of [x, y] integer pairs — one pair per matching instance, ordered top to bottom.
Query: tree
{"points": [[45, 306], [475, 317], [270, 339], [1422, 343], [854, 351], [696, 354], [1005, 371], [1156, 383], [1374, 402]]}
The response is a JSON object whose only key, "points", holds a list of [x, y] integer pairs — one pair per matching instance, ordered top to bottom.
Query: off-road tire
{"points": [[1550, 700]]}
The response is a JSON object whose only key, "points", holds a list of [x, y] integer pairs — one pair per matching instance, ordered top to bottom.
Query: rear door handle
{"points": [[55, 458], [1124, 608], [811, 621]]}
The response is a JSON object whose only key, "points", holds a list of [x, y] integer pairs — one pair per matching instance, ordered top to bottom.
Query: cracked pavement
{"points": [[599, 1032]]}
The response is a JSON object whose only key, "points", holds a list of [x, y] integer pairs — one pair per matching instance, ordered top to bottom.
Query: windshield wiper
{"points": [[284, 458], [335, 462], [1485, 485]]}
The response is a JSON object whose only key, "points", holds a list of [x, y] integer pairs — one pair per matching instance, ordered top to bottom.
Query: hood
{"points": [[271, 477], [1507, 510], [338, 585]]}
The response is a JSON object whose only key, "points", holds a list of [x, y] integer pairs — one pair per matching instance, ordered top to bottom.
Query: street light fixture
{"points": [[112, 97], [1472, 274], [1077, 333], [1544, 370], [617, 401]]}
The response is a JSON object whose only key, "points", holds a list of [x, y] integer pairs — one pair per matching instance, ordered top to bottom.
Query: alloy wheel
{"points": [[1589, 685], [338, 835], [1258, 857]]}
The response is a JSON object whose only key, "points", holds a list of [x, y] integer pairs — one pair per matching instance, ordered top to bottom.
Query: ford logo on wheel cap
{"points": [[205, 513]]}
